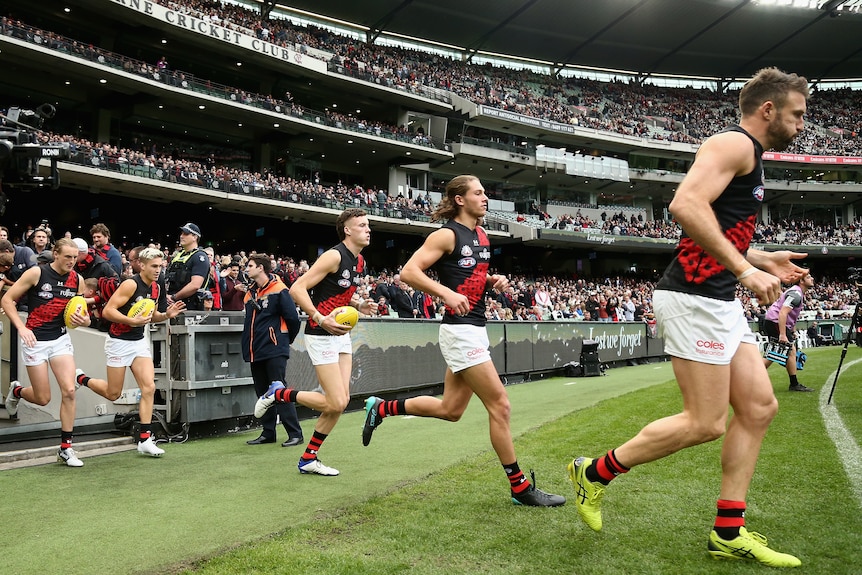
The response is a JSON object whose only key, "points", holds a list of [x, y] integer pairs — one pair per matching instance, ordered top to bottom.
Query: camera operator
{"points": [[189, 270]]}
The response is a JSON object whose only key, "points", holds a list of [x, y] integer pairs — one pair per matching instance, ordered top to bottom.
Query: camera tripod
{"points": [[855, 323]]}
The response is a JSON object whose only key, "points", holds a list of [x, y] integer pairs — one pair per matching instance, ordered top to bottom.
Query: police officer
{"points": [[189, 270]]}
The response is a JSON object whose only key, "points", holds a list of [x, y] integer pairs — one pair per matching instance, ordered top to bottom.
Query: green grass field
{"points": [[430, 497]]}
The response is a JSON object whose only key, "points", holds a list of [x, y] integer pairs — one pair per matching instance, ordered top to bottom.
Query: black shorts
{"points": [[770, 329]]}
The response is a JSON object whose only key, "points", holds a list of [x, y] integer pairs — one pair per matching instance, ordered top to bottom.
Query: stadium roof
{"points": [[729, 39]]}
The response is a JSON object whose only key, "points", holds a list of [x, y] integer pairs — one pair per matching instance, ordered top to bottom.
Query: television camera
{"points": [[21, 151]]}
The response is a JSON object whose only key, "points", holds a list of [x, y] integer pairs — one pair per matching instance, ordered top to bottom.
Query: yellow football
{"points": [[77, 304], [143, 307], [346, 315]]}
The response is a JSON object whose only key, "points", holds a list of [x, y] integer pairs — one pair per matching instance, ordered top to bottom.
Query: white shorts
{"points": [[699, 328], [463, 345], [325, 349], [45, 350], [122, 352]]}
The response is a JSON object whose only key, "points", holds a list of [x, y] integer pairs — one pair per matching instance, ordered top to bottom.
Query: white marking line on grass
{"points": [[848, 450]]}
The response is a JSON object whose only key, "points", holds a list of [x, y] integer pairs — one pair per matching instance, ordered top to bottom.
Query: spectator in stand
{"points": [[40, 240], [102, 245], [90, 264], [213, 282], [234, 288], [400, 299], [542, 299], [628, 306], [382, 307]]}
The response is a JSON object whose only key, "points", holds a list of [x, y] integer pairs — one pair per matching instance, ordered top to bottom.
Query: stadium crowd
{"points": [[162, 72], [626, 107], [682, 114], [148, 161], [170, 167], [787, 231], [544, 298]]}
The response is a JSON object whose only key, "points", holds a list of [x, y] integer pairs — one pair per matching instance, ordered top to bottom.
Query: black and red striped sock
{"points": [[83, 379], [16, 391], [286, 395], [394, 407], [145, 432], [65, 439], [314, 445], [604, 469], [517, 480], [730, 516]]}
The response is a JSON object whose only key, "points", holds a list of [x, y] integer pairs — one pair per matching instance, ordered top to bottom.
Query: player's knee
{"points": [[113, 395], [40, 398], [336, 404], [501, 409], [767, 411], [452, 415], [703, 430], [712, 432]]}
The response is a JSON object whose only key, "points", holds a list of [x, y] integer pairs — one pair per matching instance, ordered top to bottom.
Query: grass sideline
{"points": [[429, 497]]}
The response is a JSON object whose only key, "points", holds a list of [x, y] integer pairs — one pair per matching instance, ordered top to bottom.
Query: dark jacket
{"points": [[95, 266], [400, 302], [271, 322]]}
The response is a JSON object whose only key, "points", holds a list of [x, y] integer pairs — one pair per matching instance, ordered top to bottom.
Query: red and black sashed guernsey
{"points": [[465, 271], [696, 272], [337, 289], [142, 290], [47, 301]]}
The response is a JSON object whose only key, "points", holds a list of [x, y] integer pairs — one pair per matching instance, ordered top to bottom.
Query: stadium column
{"points": [[103, 125], [263, 150], [263, 155], [764, 213]]}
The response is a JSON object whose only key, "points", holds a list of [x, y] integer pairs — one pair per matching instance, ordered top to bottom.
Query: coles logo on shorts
{"points": [[709, 347], [479, 351], [328, 354]]}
